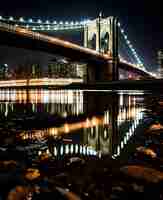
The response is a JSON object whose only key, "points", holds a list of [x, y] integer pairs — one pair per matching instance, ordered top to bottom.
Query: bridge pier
{"points": [[101, 73]]}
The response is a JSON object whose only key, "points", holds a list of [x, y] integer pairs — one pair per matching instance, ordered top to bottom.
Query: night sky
{"points": [[141, 19]]}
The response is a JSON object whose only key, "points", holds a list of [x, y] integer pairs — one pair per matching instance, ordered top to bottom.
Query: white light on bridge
{"points": [[0, 17], [11, 18], [21, 19], [30, 20], [39, 21], [54, 22], [60, 22], [66, 23], [122, 31], [125, 36], [128, 42], [130, 46], [133, 50]]}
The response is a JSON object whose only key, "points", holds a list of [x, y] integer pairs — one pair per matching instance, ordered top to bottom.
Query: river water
{"points": [[71, 121]]}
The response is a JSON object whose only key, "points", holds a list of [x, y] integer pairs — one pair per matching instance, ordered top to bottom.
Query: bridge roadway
{"points": [[19, 37]]}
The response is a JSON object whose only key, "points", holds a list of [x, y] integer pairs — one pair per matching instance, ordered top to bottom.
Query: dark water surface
{"points": [[71, 121], [96, 145]]}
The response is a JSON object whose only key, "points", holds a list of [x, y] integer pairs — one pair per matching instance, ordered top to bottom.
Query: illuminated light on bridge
{"points": [[11, 18], [21, 19], [30, 20], [39, 21], [119, 24], [125, 36], [128, 42], [139, 62]]}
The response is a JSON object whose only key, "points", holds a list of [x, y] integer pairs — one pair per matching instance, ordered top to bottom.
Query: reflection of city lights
{"points": [[64, 114], [94, 121], [87, 123], [66, 128], [53, 131], [105, 134], [127, 136], [122, 145], [72, 148], [76, 148], [67, 149], [81, 149], [61, 150], [84, 150], [118, 150], [47, 151], [55, 151]]}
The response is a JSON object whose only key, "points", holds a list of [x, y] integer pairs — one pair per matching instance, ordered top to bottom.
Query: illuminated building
{"points": [[160, 63], [3, 71], [36, 71]]}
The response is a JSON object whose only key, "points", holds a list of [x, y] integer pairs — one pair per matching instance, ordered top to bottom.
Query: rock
{"points": [[147, 151], [143, 173], [67, 194]]}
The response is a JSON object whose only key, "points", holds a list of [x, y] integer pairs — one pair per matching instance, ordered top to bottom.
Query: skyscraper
{"points": [[160, 63], [3, 71]]}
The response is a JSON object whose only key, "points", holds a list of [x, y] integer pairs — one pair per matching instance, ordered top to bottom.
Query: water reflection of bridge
{"points": [[106, 114]]}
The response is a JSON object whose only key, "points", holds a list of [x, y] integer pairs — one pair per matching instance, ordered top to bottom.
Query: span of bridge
{"points": [[20, 37]]}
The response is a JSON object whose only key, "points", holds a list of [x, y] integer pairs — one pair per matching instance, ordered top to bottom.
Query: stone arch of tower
{"points": [[106, 33], [91, 35], [92, 42], [104, 43]]}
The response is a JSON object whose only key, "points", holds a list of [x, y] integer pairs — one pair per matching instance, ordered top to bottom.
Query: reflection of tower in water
{"points": [[121, 117], [102, 137]]}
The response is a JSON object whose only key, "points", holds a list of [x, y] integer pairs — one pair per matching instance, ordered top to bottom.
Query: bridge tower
{"points": [[101, 35]]}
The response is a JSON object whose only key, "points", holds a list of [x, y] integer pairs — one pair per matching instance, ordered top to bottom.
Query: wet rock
{"points": [[146, 151], [75, 160], [147, 174], [69, 195]]}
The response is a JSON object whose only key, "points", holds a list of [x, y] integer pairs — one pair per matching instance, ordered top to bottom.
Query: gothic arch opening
{"points": [[92, 42], [105, 43]]}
